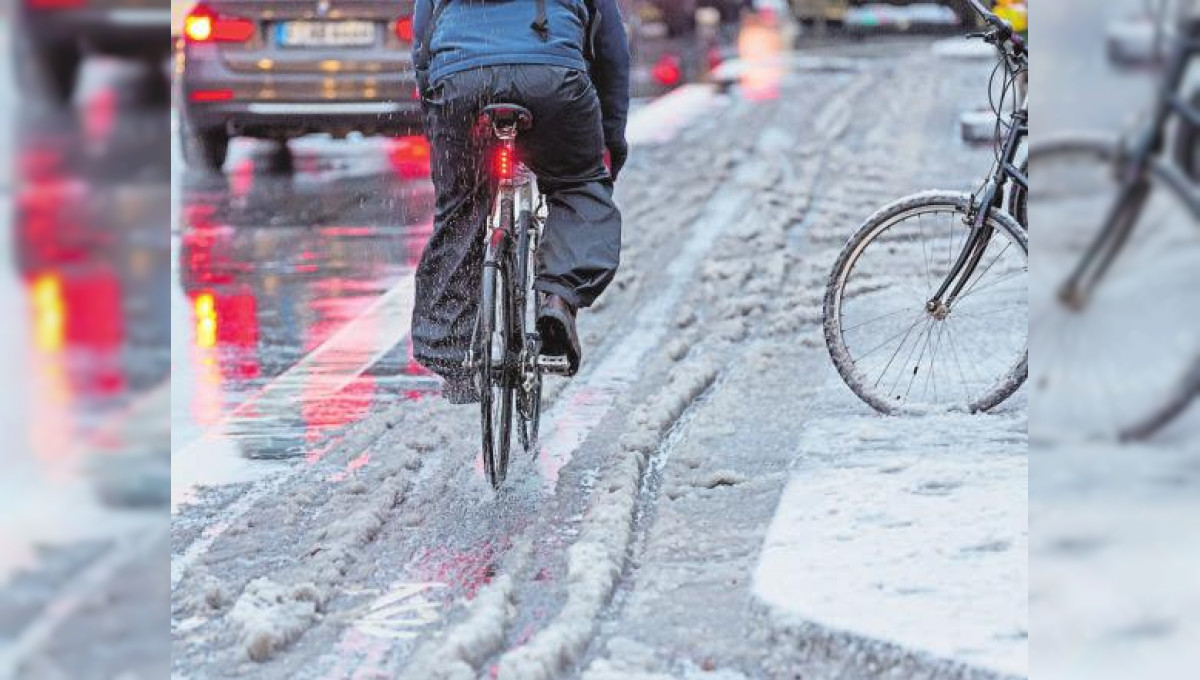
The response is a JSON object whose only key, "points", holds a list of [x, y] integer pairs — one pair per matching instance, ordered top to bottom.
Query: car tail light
{"points": [[55, 4], [203, 24], [404, 29], [667, 71], [211, 95], [505, 164]]}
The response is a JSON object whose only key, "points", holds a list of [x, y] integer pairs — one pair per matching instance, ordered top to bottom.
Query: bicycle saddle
{"points": [[508, 114]]}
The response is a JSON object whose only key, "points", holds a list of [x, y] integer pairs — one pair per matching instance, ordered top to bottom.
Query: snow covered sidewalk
{"points": [[908, 535], [1114, 589]]}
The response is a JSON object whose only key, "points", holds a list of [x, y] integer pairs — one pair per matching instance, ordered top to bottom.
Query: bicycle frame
{"points": [[1138, 159], [986, 199]]}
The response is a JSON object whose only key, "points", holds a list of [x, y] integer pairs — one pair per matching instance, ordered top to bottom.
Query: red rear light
{"points": [[55, 4], [203, 24], [404, 29], [667, 71], [211, 95], [505, 164]]}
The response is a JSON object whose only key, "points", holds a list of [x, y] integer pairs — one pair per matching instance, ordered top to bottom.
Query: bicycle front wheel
{"points": [[894, 352], [1112, 356], [496, 369]]}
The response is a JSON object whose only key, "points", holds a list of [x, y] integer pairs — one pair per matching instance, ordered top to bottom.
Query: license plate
{"points": [[325, 33]]}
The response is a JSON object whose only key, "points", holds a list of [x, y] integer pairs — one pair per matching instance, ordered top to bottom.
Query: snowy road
{"points": [[85, 357], [634, 546]]}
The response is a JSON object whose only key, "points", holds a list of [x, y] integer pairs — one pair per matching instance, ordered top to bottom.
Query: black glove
{"points": [[618, 152]]}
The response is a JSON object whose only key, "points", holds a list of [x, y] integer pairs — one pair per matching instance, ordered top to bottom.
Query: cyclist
{"points": [[567, 61]]}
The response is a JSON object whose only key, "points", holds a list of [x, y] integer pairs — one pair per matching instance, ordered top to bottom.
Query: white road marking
{"points": [[75, 595], [395, 615]]}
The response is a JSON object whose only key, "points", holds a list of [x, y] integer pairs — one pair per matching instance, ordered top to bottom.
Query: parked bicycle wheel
{"points": [[1187, 144], [890, 348], [1112, 358], [497, 374]]}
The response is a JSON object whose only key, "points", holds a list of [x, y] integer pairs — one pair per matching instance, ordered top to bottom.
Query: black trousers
{"points": [[581, 244]]}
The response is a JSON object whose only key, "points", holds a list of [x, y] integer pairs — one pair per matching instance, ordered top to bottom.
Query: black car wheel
{"points": [[47, 73], [205, 149]]}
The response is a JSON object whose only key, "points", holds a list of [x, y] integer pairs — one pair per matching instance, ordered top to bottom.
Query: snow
{"points": [[928, 533], [597, 559], [1114, 590], [271, 616], [465, 646]]}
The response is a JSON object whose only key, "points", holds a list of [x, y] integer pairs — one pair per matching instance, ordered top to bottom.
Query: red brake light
{"points": [[55, 4], [203, 24], [404, 29], [667, 71], [211, 95], [506, 165]]}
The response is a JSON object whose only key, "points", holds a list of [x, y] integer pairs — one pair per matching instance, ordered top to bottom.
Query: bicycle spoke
{"points": [[987, 268], [993, 284], [878, 318], [885, 342], [920, 358], [907, 359], [958, 363]]}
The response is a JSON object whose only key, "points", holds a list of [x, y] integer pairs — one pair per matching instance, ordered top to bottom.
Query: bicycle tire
{"points": [[1187, 143], [1018, 199], [1165, 377], [496, 381], [998, 389], [529, 401], [1168, 411]]}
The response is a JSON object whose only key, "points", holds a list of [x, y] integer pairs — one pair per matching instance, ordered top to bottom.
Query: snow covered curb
{"points": [[902, 524], [598, 557]]}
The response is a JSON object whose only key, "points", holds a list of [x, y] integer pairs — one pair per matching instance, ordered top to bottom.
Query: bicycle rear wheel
{"points": [[1018, 199], [895, 353], [1112, 364], [496, 367], [529, 391]]}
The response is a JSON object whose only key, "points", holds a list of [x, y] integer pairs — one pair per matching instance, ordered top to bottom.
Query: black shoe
{"points": [[556, 325], [460, 389]]}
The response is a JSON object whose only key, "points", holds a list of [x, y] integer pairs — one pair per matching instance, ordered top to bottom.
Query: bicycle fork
{"points": [[964, 267], [1077, 290]]}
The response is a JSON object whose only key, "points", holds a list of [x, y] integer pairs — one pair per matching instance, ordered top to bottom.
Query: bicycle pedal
{"points": [[556, 365]]}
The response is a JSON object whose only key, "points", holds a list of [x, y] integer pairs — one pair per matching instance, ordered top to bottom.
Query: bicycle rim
{"points": [[899, 356], [1108, 364]]}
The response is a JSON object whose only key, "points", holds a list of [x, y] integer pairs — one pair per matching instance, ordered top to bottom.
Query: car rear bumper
{"points": [[274, 101], [293, 119]]}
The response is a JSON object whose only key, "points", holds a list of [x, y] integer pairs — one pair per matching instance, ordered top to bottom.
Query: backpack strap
{"points": [[541, 25], [591, 30], [426, 54]]}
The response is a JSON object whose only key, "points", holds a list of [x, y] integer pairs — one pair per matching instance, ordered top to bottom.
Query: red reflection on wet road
{"points": [[411, 157]]}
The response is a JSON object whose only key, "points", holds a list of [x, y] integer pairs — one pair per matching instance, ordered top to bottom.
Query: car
{"points": [[53, 37], [281, 70]]}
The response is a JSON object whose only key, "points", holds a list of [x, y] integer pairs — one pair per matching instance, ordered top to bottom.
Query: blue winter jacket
{"points": [[475, 33]]}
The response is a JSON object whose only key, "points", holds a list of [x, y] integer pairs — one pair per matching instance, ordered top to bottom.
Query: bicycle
{"points": [[1125, 212], [900, 279], [506, 349]]}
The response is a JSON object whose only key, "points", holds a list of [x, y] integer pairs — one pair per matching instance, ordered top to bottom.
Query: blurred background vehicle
{"points": [[862, 18], [53, 37], [286, 69]]}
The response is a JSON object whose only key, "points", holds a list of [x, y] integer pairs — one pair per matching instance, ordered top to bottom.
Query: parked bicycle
{"points": [[1118, 265], [926, 308], [506, 349]]}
